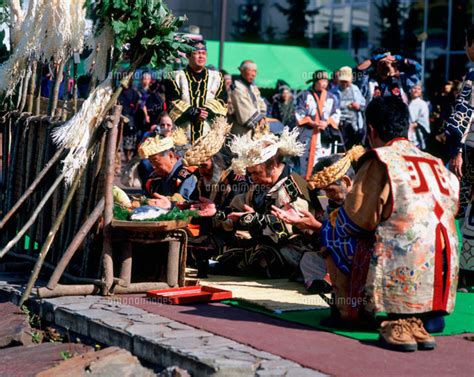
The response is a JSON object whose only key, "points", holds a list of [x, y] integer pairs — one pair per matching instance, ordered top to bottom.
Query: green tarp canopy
{"points": [[294, 64]]}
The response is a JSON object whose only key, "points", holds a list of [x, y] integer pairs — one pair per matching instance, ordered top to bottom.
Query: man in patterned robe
{"points": [[196, 95]]}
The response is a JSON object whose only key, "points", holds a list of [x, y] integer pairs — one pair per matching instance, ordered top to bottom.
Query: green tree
{"points": [[297, 14], [247, 27]]}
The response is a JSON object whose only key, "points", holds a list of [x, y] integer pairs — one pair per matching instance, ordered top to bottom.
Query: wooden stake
{"points": [[58, 78], [76, 242], [107, 260]]}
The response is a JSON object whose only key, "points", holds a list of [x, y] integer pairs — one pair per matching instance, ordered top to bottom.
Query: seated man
{"points": [[334, 176], [170, 181], [399, 219], [275, 248]]}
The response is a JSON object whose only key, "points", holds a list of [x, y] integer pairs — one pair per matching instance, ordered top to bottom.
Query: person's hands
{"points": [[354, 106], [203, 114], [147, 119], [321, 124], [455, 165], [160, 201], [205, 207], [287, 214], [235, 216], [302, 219]]}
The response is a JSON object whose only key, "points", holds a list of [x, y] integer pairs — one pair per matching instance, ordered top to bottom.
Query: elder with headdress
{"points": [[196, 94], [275, 247]]}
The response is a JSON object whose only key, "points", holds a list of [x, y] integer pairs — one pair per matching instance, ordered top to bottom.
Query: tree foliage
{"points": [[297, 14], [147, 25], [247, 27]]}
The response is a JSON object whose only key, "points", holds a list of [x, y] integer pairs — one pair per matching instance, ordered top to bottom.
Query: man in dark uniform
{"points": [[196, 94], [170, 181]]}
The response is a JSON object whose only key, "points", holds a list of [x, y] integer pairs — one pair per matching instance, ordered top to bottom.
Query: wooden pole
{"points": [[58, 78], [26, 86], [32, 89], [37, 100], [32, 187], [76, 242], [107, 262]]}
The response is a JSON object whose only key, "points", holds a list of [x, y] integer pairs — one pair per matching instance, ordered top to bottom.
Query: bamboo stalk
{"points": [[32, 187], [76, 242]]}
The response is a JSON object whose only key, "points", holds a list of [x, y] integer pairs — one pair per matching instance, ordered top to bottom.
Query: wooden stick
{"points": [[58, 77], [26, 86], [32, 89], [38, 89], [32, 187], [33, 217], [74, 245], [107, 261], [68, 290]]}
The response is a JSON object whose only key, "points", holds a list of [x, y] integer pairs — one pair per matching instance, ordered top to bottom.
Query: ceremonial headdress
{"points": [[156, 144], [208, 145], [253, 151], [336, 171]]}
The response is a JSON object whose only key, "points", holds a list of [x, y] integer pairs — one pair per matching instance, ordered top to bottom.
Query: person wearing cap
{"points": [[393, 75], [196, 94], [352, 105], [249, 108], [317, 115], [170, 182]]}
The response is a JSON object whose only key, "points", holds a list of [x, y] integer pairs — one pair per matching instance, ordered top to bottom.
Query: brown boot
{"points": [[396, 336], [423, 338]]}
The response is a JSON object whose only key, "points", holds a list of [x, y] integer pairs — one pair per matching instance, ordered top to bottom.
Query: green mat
{"points": [[461, 321]]}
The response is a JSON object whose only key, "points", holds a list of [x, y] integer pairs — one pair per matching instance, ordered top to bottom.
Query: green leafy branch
{"points": [[147, 25]]}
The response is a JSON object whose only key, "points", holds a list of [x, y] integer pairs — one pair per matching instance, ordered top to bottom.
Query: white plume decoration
{"points": [[51, 29], [76, 133]]}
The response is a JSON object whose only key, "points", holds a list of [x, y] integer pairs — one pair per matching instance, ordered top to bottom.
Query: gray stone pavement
{"points": [[157, 339]]}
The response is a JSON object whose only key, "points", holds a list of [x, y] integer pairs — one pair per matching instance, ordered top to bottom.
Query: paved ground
{"points": [[158, 339], [329, 353]]}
